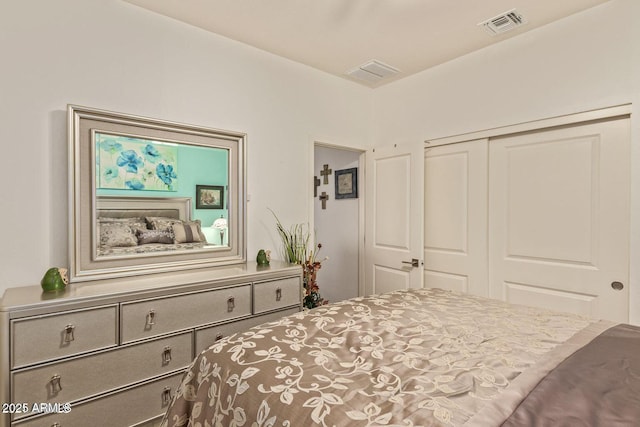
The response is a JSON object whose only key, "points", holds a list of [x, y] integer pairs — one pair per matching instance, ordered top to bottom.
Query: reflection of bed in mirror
{"points": [[148, 225]]}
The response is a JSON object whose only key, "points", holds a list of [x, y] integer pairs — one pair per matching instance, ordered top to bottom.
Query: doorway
{"points": [[338, 221]]}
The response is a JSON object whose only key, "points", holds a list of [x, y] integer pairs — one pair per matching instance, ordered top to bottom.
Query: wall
{"points": [[115, 56], [587, 61], [337, 227]]}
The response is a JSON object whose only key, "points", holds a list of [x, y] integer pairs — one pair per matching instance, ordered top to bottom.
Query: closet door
{"points": [[455, 208], [559, 219]]}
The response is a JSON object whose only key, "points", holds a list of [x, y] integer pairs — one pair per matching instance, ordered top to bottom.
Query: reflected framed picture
{"points": [[346, 181], [209, 197]]}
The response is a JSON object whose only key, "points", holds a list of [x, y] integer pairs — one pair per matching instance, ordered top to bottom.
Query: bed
{"points": [[146, 225], [423, 357]]}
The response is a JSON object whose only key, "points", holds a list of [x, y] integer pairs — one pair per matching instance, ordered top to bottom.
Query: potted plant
{"points": [[295, 242]]}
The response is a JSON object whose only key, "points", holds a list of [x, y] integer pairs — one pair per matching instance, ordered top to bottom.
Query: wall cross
{"points": [[326, 172], [316, 183], [324, 197]]}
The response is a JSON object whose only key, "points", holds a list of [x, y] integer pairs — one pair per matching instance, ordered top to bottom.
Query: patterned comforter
{"points": [[151, 248], [423, 357]]}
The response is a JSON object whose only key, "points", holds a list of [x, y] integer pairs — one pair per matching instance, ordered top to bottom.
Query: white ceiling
{"points": [[338, 36]]}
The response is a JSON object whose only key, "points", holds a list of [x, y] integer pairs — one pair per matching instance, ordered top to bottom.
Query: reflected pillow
{"points": [[136, 223], [161, 223], [188, 232], [117, 234], [154, 236]]}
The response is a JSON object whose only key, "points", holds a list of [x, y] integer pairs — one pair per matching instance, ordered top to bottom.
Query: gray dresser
{"points": [[111, 352]]}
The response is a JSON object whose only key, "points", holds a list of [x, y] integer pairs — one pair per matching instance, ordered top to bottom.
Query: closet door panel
{"points": [[559, 218], [455, 251]]}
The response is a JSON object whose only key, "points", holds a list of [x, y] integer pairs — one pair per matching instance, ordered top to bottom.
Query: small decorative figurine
{"points": [[263, 257], [55, 279]]}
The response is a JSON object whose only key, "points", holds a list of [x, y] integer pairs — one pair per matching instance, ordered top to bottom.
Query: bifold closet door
{"points": [[455, 211], [559, 218]]}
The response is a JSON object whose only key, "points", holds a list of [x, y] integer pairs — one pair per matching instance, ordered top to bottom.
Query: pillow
{"points": [[120, 219], [136, 223], [161, 223], [199, 225], [188, 232], [117, 234], [154, 236]]}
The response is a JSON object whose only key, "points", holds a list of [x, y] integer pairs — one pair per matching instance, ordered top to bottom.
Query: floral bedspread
{"points": [[148, 248], [423, 357]]}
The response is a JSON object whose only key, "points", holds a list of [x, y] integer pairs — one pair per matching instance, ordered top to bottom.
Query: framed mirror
{"points": [[149, 196]]}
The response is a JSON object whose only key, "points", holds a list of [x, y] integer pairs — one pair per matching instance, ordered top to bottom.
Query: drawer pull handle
{"points": [[278, 294], [231, 304], [151, 318], [68, 333], [219, 336], [166, 355], [56, 384], [166, 396]]}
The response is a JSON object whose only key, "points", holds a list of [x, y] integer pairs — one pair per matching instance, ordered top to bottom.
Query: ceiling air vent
{"points": [[503, 22], [372, 71]]}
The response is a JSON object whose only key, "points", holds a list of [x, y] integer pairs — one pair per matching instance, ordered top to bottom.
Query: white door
{"points": [[455, 215], [394, 218], [559, 219]]}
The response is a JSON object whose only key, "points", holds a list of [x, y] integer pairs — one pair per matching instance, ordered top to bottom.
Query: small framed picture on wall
{"points": [[346, 181], [209, 197]]}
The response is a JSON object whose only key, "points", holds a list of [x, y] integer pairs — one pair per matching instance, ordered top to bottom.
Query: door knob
{"points": [[414, 262], [618, 286]]}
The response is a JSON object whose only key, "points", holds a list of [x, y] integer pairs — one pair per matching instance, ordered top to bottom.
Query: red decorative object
{"points": [[312, 291]]}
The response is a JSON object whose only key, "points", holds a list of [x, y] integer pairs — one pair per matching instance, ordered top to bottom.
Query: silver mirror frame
{"points": [[84, 263]]}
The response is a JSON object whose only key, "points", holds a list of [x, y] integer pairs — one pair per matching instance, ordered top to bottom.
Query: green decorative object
{"points": [[263, 257], [55, 279]]}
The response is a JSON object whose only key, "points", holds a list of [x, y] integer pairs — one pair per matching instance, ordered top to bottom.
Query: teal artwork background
{"points": [[197, 165]]}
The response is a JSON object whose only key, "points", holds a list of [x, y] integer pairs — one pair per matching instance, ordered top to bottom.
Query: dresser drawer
{"points": [[275, 294], [159, 316], [206, 337], [42, 338], [79, 378], [126, 408]]}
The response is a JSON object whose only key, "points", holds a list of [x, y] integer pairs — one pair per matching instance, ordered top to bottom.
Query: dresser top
{"points": [[76, 295]]}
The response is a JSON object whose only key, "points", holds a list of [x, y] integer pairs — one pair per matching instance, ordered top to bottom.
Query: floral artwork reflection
{"points": [[129, 163]]}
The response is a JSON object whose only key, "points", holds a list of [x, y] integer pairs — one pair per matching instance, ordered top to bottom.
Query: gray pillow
{"points": [[136, 223], [161, 223], [188, 232], [117, 234], [154, 236]]}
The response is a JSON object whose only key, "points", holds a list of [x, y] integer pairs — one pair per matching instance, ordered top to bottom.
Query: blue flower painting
{"points": [[151, 154], [130, 160], [127, 163], [166, 174]]}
